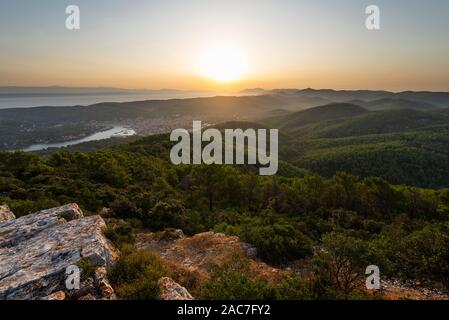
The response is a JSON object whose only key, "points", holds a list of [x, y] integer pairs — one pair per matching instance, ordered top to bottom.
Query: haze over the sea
{"points": [[28, 97]]}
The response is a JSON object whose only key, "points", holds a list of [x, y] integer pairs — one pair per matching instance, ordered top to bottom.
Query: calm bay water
{"points": [[117, 131]]}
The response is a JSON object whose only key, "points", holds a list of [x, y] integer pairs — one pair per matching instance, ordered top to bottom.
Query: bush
{"points": [[25, 207], [124, 208], [165, 215], [119, 233], [276, 242], [423, 254], [340, 263], [136, 274], [232, 281], [293, 287]]}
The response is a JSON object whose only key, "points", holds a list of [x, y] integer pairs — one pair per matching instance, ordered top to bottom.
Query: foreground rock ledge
{"points": [[35, 251]]}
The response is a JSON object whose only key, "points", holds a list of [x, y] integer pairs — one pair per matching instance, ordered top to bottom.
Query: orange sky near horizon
{"points": [[265, 43]]}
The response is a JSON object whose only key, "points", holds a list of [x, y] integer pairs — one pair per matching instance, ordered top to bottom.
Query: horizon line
{"points": [[212, 90]]}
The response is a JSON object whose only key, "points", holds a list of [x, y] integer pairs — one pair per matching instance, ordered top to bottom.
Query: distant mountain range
{"points": [[57, 90], [322, 96], [304, 97]]}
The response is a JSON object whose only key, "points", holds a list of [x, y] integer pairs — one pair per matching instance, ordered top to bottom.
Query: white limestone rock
{"points": [[35, 251], [170, 290]]}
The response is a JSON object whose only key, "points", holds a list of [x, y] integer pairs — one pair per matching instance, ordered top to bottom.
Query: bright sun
{"points": [[223, 63]]}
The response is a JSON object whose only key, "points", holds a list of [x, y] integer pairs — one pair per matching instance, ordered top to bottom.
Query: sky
{"points": [[269, 43]]}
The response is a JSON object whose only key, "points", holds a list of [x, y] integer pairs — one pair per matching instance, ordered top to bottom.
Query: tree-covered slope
{"points": [[395, 104], [333, 111], [380, 122], [400, 145], [417, 158]]}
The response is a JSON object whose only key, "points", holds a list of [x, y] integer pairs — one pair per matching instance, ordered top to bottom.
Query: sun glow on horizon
{"points": [[223, 63]]}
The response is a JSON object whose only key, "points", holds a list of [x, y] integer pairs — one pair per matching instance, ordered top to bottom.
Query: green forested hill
{"points": [[395, 104], [333, 111], [380, 122], [402, 146], [416, 158]]}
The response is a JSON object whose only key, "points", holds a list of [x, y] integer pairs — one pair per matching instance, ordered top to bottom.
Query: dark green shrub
{"points": [[24, 207], [124, 208], [165, 215], [119, 233], [276, 242], [424, 254], [340, 263], [136, 274], [232, 281], [293, 288]]}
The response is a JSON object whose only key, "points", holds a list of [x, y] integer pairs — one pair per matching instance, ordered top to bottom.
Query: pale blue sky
{"points": [[286, 43]]}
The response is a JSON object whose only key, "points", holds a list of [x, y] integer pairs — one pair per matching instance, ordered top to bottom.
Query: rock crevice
{"points": [[37, 249]]}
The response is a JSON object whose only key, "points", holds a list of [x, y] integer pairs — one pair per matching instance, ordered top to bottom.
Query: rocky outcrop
{"points": [[6, 214], [37, 250], [196, 255], [171, 290], [409, 290]]}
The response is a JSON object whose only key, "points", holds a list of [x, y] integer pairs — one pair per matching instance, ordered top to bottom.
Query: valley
{"points": [[360, 182]]}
